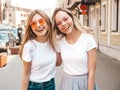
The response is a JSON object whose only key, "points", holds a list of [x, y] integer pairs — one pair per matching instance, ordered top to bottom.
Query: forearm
{"points": [[91, 68], [26, 75], [91, 81], [25, 82]]}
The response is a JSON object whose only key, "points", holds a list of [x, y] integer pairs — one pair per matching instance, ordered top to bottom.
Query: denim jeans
{"points": [[49, 85]]}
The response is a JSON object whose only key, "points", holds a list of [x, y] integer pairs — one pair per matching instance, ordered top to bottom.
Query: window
{"points": [[69, 1], [115, 9], [103, 18], [91, 19], [23, 22]]}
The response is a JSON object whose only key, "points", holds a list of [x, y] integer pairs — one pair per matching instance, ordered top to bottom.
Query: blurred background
{"points": [[101, 16]]}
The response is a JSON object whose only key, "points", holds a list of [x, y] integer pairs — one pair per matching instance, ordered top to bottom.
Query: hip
{"points": [[75, 82], [48, 85]]}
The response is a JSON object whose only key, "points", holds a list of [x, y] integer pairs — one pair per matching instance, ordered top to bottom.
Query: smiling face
{"points": [[64, 22], [39, 25]]}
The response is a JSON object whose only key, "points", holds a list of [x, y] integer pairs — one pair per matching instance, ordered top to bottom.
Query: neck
{"points": [[73, 34], [73, 37], [41, 39]]}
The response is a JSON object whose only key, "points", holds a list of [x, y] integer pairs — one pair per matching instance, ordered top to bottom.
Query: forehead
{"points": [[60, 15], [36, 17]]}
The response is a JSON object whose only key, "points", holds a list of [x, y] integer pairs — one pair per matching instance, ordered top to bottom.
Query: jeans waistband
{"points": [[33, 83]]}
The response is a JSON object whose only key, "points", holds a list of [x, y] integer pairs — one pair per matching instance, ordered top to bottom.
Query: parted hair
{"points": [[76, 21]]}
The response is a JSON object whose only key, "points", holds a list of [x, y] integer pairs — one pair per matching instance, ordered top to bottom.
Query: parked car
{"points": [[7, 40]]}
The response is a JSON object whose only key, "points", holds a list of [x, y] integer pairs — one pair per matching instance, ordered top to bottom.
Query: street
{"points": [[107, 73], [10, 75]]}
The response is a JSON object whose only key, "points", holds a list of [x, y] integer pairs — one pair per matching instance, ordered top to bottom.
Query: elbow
{"points": [[59, 62]]}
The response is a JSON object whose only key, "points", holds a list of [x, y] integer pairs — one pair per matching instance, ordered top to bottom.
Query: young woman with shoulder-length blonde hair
{"points": [[77, 51], [38, 54]]}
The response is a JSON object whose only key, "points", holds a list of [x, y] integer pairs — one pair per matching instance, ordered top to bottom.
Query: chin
{"points": [[69, 31]]}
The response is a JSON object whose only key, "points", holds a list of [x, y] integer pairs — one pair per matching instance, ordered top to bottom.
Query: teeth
{"points": [[66, 27], [40, 28]]}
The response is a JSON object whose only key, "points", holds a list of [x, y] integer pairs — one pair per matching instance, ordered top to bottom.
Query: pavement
{"points": [[107, 73], [10, 75]]}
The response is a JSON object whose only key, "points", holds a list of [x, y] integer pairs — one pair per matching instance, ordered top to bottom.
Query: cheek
{"points": [[71, 23], [46, 26], [60, 28], [33, 29]]}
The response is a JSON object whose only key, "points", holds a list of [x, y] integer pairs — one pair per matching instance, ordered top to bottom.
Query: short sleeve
{"points": [[91, 43], [27, 52]]}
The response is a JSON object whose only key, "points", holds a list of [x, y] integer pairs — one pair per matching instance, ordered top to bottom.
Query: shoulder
{"points": [[87, 36], [90, 41], [30, 44]]}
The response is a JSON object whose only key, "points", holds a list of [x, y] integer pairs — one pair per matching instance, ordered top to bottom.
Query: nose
{"points": [[63, 23], [38, 24]]}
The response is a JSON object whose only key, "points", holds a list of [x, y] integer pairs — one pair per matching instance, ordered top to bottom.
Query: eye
{"points": [[65, 19], [41, 21], [58, 23], [33, 24]]}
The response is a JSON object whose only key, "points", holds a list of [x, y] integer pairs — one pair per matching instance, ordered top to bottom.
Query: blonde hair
{"points": [[76, 22], [86, 29], [29, 35]]}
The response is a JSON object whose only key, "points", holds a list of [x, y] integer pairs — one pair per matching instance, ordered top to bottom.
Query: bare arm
{"points": [[59, 59], [91, 68], [26, 75]]}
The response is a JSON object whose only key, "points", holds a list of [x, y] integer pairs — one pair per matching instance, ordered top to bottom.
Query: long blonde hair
{"points": [[76, 22], [29, 35]]}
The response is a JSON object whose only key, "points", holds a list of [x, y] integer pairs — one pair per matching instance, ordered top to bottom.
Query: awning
{"points": [[87, 2]]}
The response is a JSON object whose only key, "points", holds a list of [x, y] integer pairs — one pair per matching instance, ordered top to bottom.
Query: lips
{"points": [[66, 27], [41, 28]]}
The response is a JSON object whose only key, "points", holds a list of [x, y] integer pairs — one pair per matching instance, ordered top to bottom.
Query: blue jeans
{"points": [[49, 85]]}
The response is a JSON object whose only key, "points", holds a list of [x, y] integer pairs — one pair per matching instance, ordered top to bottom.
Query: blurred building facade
{"points": [[1, 9], [13, 14], [103, 18]]}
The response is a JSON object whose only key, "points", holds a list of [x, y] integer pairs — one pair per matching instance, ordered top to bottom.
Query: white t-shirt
{"points": [[74, 56], [42, 58]]}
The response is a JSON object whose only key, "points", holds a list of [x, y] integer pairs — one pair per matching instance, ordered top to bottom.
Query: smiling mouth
{"points": [[66, 27], [39, 29]]}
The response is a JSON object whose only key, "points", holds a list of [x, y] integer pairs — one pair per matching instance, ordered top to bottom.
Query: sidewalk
{"points": [[107, 72], [10, 75]]}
